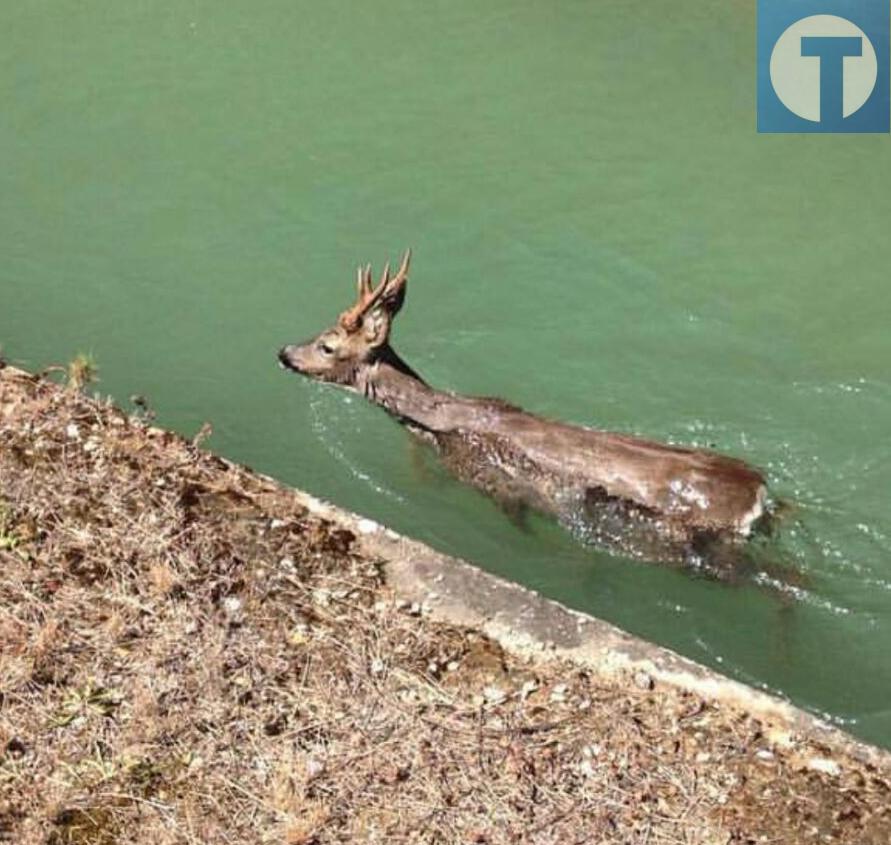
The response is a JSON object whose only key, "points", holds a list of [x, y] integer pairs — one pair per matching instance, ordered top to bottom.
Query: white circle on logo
{"points": [[796, 78]]}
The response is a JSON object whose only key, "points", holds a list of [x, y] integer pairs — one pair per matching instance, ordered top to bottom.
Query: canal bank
{"points": [[192, 652]]}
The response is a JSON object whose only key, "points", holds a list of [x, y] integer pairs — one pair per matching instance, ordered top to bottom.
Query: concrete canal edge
{"points": [[521, 620]]}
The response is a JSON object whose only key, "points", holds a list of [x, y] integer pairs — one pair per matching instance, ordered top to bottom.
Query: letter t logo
{"points": [[831, 52], [824, 66]]}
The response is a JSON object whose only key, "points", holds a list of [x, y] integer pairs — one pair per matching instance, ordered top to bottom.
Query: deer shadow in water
{"points": [[666, 504]]}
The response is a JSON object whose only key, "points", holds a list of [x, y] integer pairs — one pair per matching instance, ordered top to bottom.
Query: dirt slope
{"points": [[188, 656]]}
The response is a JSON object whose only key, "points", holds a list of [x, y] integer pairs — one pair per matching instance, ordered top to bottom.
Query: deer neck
{"points": [[391, 383]]}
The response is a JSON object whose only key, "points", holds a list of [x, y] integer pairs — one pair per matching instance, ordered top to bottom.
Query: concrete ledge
{"points": [[523, 621]]}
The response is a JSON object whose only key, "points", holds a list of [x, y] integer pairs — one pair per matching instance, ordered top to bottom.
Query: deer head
{"points": [[360, 335]]}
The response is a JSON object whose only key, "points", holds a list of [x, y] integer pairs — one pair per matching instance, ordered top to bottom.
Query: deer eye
{"points": [[325, 349]]}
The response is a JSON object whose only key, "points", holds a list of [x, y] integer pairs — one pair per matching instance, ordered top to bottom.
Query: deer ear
{"points": [[394, 297], [376, 326]]}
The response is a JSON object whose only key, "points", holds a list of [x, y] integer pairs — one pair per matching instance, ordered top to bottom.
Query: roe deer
{"points": [[625, 493]]}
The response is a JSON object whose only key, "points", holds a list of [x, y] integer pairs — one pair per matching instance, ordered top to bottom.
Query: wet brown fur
{"points": [[669, 497]]}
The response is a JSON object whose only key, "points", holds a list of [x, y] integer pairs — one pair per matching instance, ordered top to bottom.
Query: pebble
{"points": [[367, 526], [231, 604], [643, 681], [528, 688], [558, 693], [494, 695], [592, 750], [824, 765], [314, 767]]}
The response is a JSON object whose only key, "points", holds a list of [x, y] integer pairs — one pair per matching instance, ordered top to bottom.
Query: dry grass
{"points": [[187, 657]]}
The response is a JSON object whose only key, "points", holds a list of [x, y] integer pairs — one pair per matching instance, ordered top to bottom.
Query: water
{"points": [[599, 233]]}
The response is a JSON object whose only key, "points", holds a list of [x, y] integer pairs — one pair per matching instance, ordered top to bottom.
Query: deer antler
{"points": [[402, 273], [368, 295]]}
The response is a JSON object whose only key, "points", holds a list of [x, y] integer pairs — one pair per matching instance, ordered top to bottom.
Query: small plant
{"points": [[81, 371], [8, 538], [88, 700], [93, 825]]}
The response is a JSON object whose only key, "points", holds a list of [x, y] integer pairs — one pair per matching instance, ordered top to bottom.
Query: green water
{"points": [[599, 233]]}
